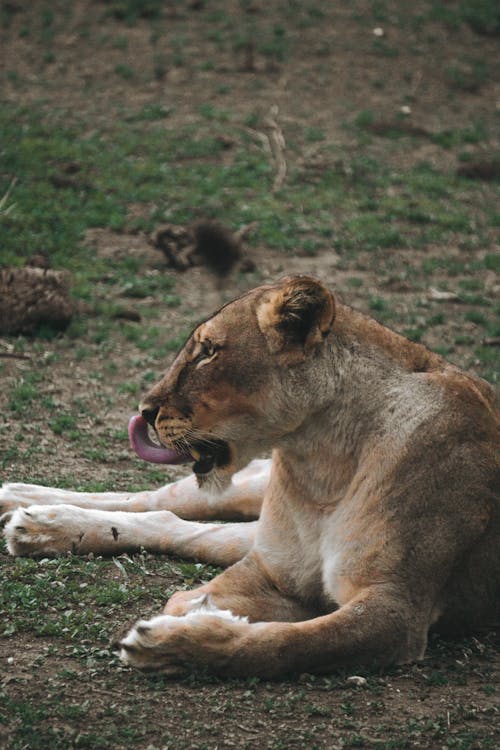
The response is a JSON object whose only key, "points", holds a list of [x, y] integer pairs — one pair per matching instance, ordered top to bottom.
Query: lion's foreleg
{"points": [[55, 529], [245, 590], [372, 629]]}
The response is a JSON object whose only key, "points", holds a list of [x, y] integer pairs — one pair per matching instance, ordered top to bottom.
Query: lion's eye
{"points": [[207, 348], [207, 351]]}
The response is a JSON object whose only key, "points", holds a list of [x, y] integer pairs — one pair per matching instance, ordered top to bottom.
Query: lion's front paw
{"points": [[43, 530], [174, 644], [152, 645]]}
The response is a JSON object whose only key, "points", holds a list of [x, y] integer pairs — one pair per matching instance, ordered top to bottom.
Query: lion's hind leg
{"points": [[19, 495], [242, 500]]}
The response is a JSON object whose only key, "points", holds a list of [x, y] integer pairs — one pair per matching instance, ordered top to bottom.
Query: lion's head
{"points": [[226, 397]]}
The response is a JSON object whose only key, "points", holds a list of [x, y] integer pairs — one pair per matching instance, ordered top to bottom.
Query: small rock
{"points": [[441, 296], [357, 680]]}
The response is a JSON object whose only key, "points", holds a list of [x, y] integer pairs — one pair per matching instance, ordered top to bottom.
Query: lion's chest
{"points": [[309, 557]]}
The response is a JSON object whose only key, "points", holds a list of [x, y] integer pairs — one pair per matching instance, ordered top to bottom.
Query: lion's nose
{"points": [[150, 413]]}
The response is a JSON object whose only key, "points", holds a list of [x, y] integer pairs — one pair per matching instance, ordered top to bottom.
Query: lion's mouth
{"points": [[206, 456]]}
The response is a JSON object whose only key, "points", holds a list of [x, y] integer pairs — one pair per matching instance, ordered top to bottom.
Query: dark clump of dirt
{"points": [[481, 169], [206, 243], [177, 244], [217, 247], [33, 297]]}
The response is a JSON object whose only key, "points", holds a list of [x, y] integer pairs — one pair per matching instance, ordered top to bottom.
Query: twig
{"points": [[417, 80], [261, 138], [278, 145], [4, 209], [245, 230], [11, 355], [250, 730], [371, 740]]}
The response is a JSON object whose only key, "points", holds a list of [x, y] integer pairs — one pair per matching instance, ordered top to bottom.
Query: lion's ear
{"points": [[295, 316]]}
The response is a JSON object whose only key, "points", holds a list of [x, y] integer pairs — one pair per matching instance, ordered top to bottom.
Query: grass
{"points": [[131, 10], [483, 16], [119, 165], [377, 210], [396, 231], [79, 599], [71, 608]]}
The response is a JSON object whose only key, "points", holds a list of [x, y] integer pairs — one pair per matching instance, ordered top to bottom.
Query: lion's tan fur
{"points": [[380, 516]]}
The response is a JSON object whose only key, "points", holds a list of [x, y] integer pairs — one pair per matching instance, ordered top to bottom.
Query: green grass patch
{"points": [[132, 10], [483, 16], [460, 136], [69, 179], [25, 393], [63, 423], [80, 599]]}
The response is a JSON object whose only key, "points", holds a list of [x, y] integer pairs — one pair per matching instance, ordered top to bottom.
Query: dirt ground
{"points": [[408, 66]]}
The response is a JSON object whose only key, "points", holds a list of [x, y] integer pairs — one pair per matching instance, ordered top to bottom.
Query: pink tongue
{"points": [[146, 449]]}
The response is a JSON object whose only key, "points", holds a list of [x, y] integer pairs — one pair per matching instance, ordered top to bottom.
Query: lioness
{"points": [[379, 513]]}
